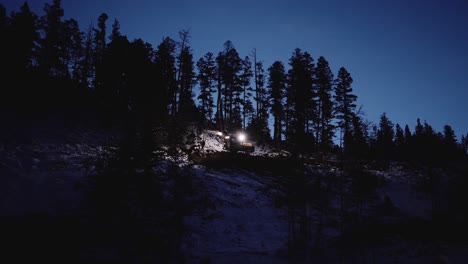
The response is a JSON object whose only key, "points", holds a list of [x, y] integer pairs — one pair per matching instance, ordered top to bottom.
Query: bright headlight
{"points": [[219, 133], [226, 137], [241, 137]]}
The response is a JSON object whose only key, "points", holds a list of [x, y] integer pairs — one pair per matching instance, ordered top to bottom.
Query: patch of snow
{"points": [[213, 142], [266, 150], [44, 176], [400, 188], [242, 221]]}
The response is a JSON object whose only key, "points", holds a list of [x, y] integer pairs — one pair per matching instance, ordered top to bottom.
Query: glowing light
{"points": [[219, 133], [226, 137], [241, 137]]}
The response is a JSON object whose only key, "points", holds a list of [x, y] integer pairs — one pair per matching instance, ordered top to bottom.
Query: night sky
{"points": [[408, 58]]}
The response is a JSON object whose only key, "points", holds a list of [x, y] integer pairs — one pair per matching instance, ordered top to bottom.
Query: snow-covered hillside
{"points": [[45, 174], [238, 211], [239, 223]]}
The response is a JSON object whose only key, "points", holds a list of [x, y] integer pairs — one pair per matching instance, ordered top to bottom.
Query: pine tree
{"points": [[115, 30], [100, 36], [24, 38], [99, 45], [74, 46], [99, 51], [52, 52], [87, 65], [165, 67], [229, 67], [182, 69], [112, 77], [245, 77], [206, 78], [187, 81], [277, 82], [324, 85], [299, 97], [311, 99], [344, 103], [249, 111], [219, 115], [259, 126], [419, 129], [408, 134], [385, 136], [399, 136], [450, 139], [400, 142], [464, 144], [358, 146], [451, 146], [429, 148]]}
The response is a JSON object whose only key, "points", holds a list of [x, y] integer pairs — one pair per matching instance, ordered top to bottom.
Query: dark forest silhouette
{"points": [[48, 61], [50, 64]]}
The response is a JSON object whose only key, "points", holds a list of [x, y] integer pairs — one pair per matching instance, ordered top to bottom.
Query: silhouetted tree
{"points": [[115, 30], [100, 36], [23, 37], [99, 45], [74, 46], [53, 51], [18, 54], [254, 56], [165, 67], [182, 67], [229, 67], [86, 70], [245, 77], [206, 79], [112, 80], [277, 82], [324, 85], [299, 96], [140, 99], [344, 103], [187, 108], [249, 111], [259, 125], [419, 129], [408, 134], [385, 136], [399, 136], [450, 139], [400, 142], [450, 143], [464, 143], [426, 144], [358, 145], [430, 148]]}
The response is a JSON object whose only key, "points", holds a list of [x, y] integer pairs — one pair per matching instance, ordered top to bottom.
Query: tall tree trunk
{"points": [[184, 35], [256, 79], [219, 106], [243, 110]]}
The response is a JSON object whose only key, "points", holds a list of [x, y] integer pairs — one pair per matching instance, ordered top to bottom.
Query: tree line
{"points": [[312, 111]]}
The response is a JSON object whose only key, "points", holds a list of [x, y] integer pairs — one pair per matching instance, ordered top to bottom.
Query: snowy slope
{"points": [[213, 141], [45, 175], [235, 218], [239, 223]]}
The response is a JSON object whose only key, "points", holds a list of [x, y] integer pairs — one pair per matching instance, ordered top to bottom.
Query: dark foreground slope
{"points": [[69, 194]]}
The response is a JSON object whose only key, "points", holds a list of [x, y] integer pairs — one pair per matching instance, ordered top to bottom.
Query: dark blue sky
{"points": [[407, 58]]}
